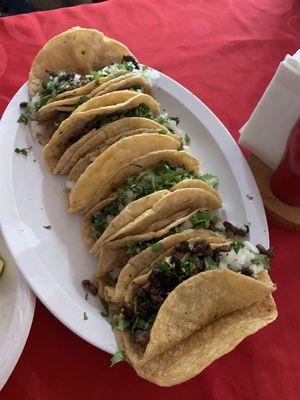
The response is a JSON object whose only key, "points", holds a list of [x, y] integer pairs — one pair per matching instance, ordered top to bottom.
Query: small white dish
{"points": [[17, 304]]}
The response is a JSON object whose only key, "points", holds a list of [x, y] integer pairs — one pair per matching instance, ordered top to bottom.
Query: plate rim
{"points": [[8, 208]]}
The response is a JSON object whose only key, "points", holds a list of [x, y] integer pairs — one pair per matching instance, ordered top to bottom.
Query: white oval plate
{"points": [[54, 262], [16, 313]]}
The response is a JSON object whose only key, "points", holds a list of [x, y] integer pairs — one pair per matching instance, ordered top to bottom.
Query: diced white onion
{"points": [[76, 79], [70, 184], [130, 196], [120, 207], [109, 218], [186, 225], [219, 225], [251, 247]]}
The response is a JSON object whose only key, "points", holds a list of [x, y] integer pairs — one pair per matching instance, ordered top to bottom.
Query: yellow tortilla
{"points": [[78, 50], [131, 81], [71, 128], [108, 134], [82, 164], [98, 174], [80, 201], [130, 212], [113, 255], [193, 305], [192, 355]]}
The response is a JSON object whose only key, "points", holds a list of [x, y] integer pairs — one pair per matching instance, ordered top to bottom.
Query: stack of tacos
{"points": [[181, 286]]}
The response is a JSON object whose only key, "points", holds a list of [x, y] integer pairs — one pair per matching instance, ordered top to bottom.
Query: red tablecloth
{"points": [[224, 51]]}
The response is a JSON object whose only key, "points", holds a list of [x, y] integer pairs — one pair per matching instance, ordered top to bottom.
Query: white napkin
{"points": [[266, 133]]}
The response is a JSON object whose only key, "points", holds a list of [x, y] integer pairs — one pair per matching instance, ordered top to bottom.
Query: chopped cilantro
{"points": [[95, 75], [82, 99], [142, 110], [23, 119], [176, 119], [162, 132], [187, 139], [181, 147], [24, 151], [161, 176], [210, 179], [203, 219], [47, 226], [237, 246], [157, 247], [133, 248], [261, 259], [210, 263], [105, 308], [85, 317], [121, 324], [117, 357]]}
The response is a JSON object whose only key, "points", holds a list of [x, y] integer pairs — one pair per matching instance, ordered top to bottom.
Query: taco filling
{"points": [[60, 82], [162, 176], [201, 219], [186, 260]]}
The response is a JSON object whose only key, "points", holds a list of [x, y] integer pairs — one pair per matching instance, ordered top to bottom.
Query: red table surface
{"points": [[226, 52]]}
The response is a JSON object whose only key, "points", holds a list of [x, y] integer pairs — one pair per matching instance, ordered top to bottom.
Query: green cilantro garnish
{"points": [[95, 75], [82, 99], [142, 110], [23, 119], [176, 119], [162, 132], [187, 139], [181, 147], [23, 151], [161, 176], [211, 180], [203, 219], [47, 226], [237, 246], [157, 247], [133, 248], [261, 259], [210, 263], [105, 308], [85, 317], [121, 324], [117, 357]]}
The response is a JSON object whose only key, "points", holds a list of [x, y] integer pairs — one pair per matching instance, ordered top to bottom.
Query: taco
{"points": [[78, 50], [51, 110], [94, 114], [98, 140], [166, 172], [87, 192], [149, 216], [121, 260], [167, 308], [192, 355]]}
